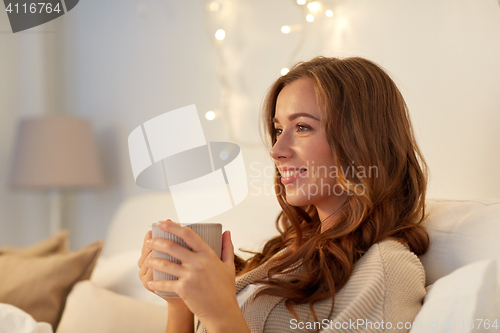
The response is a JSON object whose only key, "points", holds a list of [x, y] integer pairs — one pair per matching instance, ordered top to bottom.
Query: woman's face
{"points": [[301, 152]]}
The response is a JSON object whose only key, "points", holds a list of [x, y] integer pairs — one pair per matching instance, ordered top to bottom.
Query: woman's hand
{"points": [[146, 273], [205, 283], [180, 318]]}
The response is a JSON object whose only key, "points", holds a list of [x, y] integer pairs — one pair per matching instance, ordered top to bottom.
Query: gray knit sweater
{"points": [[383, 294]]}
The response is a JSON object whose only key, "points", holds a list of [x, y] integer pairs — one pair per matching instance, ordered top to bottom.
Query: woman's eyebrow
{"points": [[297, 115]]}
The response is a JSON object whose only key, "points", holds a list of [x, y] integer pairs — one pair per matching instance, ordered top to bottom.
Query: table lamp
{"points": [[53, 153]]}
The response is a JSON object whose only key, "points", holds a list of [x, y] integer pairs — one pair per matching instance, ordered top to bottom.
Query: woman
{"points": [[351, 181]]}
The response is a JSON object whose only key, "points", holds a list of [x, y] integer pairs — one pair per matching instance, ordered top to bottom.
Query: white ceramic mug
{"points": [[211, 233]]}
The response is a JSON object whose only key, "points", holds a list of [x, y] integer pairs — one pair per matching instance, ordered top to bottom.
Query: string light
{"points": [[214, 6], [313, 6], [218, 7], [291, 28], [220, 34], [210, 115]]}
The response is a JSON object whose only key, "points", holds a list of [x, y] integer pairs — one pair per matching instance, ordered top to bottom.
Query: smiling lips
{"points": [[288, 175]]}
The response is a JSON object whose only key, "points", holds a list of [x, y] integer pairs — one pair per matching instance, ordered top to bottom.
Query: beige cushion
{"points": [[55, 244], [119, 273], [40, 285], [94, 309]]}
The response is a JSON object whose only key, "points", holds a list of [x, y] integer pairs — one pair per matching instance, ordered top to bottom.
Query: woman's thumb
{"points": [[227, 248]]}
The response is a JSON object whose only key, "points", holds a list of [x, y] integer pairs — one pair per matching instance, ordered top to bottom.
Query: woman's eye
{"points": [[300, 128]]}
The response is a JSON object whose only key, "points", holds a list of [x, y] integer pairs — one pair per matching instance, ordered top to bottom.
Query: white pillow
{"points": [[252, 222], [461, 232], [119, 273], [459, 301], [90, 308], [13, 319]]}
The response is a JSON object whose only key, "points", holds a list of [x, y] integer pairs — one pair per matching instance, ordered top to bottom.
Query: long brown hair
{"points": [[367, 123]]}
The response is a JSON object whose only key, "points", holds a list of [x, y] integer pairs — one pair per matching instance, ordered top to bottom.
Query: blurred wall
{"points": [[122, 63], [28, 87]]}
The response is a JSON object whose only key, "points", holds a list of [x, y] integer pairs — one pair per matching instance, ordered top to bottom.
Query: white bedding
{"points": [[15, 320]]}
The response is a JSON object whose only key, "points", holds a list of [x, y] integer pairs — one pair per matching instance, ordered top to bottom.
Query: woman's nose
{"points": [[282, 149]]}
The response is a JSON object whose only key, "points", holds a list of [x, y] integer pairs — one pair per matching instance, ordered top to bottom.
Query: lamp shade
{"points": [[55, 152]]}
